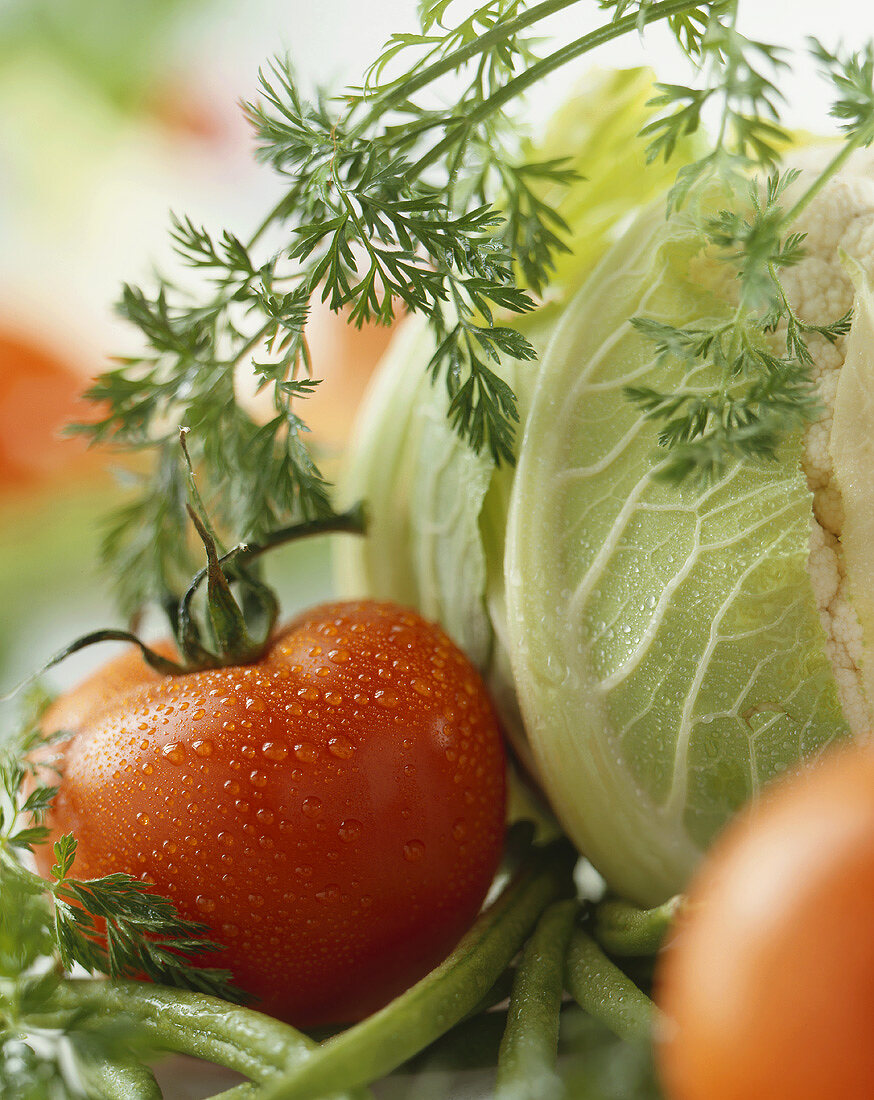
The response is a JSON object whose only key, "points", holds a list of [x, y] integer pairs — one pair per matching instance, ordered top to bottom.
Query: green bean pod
{"points": [[624, 929], [605, 992], [196, 1024], [526, 1062], [122, 1082]]}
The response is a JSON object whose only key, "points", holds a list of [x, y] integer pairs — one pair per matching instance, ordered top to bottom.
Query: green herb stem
{"points": [[501, 32], [547, 65], [861, 138], [624, 929], [605, 992], [430, 1008], [526, 1061]]}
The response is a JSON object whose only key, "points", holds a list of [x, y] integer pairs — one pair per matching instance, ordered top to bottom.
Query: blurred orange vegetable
{"points": [[39, 395], [768, 983]]}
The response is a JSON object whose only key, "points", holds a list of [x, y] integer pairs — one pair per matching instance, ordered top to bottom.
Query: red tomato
{"points": [[75, 709], [334, 812], [768, 984]]}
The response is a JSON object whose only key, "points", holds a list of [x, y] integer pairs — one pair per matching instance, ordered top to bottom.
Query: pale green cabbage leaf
{"points": [[665, 642]]}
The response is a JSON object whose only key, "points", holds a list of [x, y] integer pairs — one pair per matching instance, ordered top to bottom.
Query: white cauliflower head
{"points": [[839, 223]]}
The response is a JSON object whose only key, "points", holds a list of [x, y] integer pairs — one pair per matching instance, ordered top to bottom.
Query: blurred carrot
{"points": [[39, 395]]}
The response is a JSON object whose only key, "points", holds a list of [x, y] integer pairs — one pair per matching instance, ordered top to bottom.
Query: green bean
{"points": [[623, 929], [601, 988], [412, 1021], [199, 1025], [526, 1062], [132, 1081], [246, 1091]]}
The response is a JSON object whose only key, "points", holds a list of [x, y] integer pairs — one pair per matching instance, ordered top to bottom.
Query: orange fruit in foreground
{"points": [[768, 982]]}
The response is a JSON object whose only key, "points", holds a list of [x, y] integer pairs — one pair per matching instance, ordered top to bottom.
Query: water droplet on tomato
{"points": [[339, 656], [333, 698], [386, 699], [198, 714], [340, 747], [202, 748], [274, 751], [173, 752], [306, 752], [409, 771], [258, 779], [241, 806], [312, 807], [266, 817], [142, 819], [350, 830], [458, 830], [226, 839], [413, 851], [330, 894], [230, 931]]}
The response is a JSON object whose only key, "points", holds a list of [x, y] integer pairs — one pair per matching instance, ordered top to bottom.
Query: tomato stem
{"points": [[429, 1009]]}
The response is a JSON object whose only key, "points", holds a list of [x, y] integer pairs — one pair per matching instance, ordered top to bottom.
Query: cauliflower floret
{"points": [[839, 220]]}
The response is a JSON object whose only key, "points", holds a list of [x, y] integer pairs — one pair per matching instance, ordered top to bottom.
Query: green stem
{"points": [[501, 32], [543, 68], [862, 137], [351, 522], [161, 664], [623, 929], [601, 988], [430, 1008], [198, 1025], [526, 1062], [123, 1082], [245, 1091]]}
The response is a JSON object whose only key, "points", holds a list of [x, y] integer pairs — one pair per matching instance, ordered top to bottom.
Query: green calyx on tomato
{"points": [[238, 626], [334, 811]]}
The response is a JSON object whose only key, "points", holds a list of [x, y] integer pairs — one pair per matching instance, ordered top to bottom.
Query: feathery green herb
{"points": [[391, 203], [762, 397], [111, 925]]}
